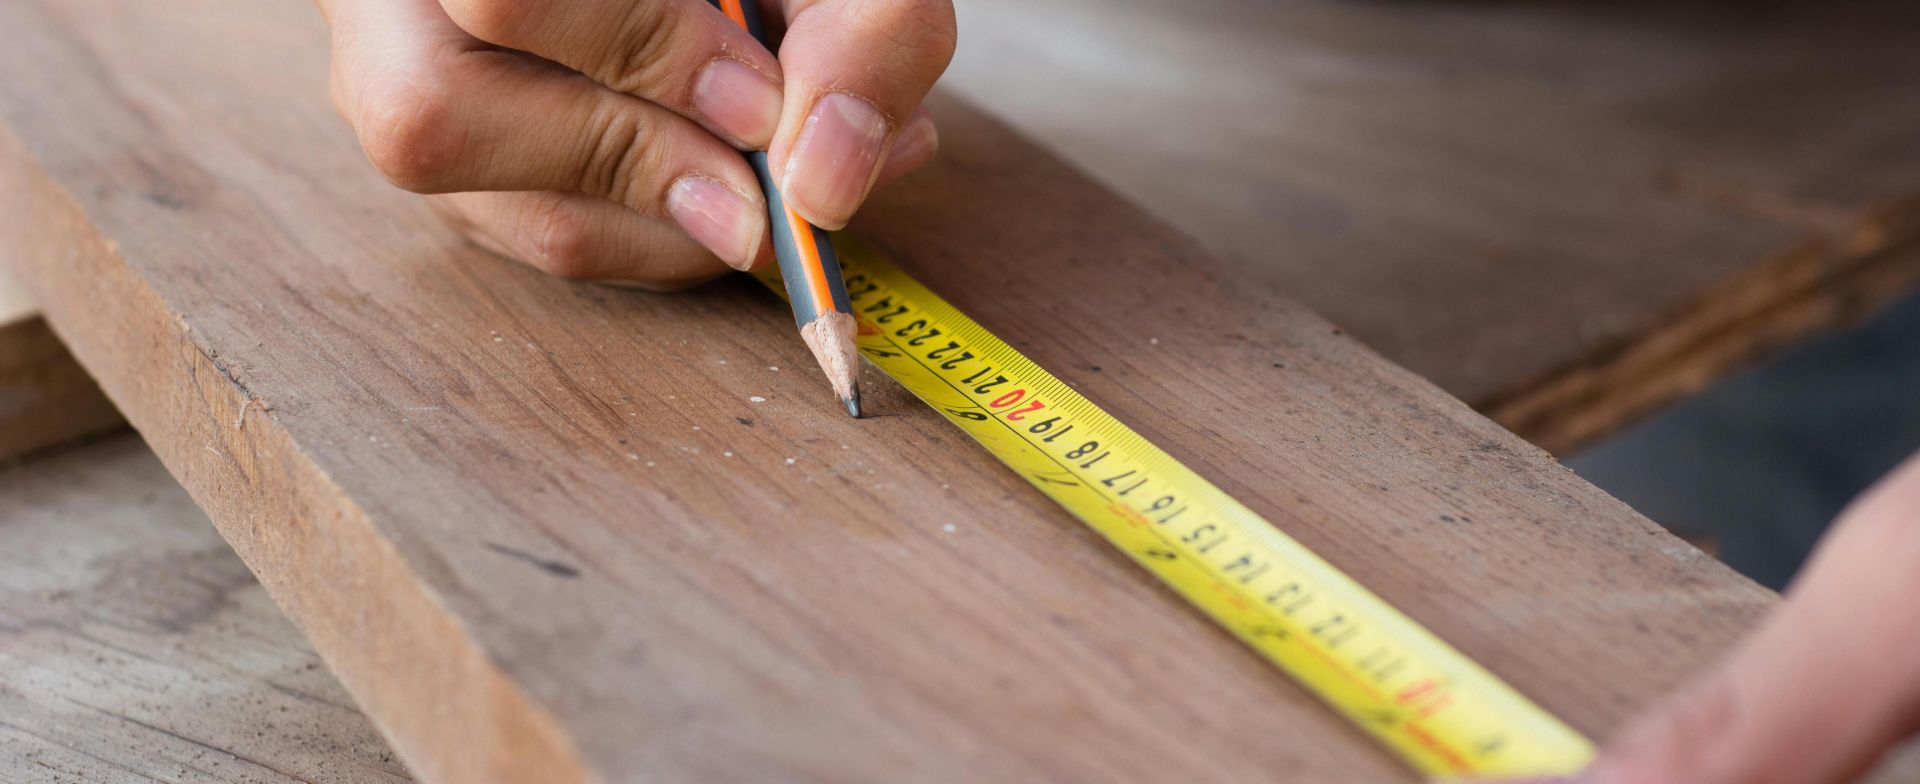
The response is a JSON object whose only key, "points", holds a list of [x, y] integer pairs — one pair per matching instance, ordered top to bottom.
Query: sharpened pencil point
{"points": [[831, 338], [853, 403]]}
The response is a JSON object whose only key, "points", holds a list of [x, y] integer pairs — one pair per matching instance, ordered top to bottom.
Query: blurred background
{"points": [[1664, 241], [1757, 465]]}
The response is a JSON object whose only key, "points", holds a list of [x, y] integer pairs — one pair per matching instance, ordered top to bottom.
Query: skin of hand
{"points": [[601, 139], [1827, 684]]}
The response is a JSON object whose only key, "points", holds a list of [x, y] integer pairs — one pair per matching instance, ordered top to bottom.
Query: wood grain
{"points": [[1565, 213], [46, 398], [543, 531], [136, 646]]}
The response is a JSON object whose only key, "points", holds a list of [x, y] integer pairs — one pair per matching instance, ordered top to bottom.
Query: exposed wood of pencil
{"points": [[814, 286], [830, 337], [554, 532]]}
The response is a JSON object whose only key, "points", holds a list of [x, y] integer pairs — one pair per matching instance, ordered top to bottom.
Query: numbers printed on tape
{"points": [[1437, 709]]}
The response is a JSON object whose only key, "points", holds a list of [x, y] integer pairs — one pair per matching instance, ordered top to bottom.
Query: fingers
{"points": [[679, 54], [856, 71], [440, 112], [912, 147], [580, 237], [1826, 685]]}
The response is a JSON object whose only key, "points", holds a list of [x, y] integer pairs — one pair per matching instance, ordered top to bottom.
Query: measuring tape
{"points": [[1438, 710]]}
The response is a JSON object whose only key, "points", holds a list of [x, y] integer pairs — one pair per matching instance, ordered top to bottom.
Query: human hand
{"points": [[601, 139], [1827, 684]]}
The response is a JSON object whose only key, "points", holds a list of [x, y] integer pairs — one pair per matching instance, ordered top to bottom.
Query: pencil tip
{"points": [[853, 402]]}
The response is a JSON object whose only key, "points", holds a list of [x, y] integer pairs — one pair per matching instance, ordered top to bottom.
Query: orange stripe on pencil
{"points": [[808, 265], [816, 266]]}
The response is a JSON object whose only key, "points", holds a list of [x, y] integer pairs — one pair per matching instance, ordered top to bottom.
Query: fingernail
{"points": [[739, 100], [913, 146], [834, 161], [719, 218]]}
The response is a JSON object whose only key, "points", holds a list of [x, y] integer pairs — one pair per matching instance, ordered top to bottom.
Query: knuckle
{"points": [[639, 59], [408, 125], [624, 152], [562, 243]]}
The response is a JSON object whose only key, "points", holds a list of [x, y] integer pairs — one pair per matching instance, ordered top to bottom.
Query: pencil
{"points": [[808, 265]]}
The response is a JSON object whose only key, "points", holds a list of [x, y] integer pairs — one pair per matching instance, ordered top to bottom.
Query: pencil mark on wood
{"points": [[548, 565]]}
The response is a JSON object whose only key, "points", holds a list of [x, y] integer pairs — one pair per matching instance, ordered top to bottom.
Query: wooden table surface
{"points": [[980, 147], [1565, 213], [134, 645]]}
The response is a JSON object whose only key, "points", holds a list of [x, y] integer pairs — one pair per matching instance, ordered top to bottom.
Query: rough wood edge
{"points": [[1823, 284], [215, 437]]}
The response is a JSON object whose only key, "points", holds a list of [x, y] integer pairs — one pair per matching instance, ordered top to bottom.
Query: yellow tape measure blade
{"points": [[1438, 710]]}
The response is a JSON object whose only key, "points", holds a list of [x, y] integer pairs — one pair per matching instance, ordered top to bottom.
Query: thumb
{"points": [[856, 71], [1825, 686], [1722, 730]]}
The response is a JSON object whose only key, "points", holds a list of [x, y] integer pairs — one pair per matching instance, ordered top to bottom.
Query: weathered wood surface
{"points": [[1565, 213], [46, 398], [541, 531], [134, 646]]}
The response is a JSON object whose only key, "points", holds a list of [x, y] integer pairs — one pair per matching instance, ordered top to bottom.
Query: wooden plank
{"points": [[1565, 213], [46, 398], [542, 531], [138, 648]]}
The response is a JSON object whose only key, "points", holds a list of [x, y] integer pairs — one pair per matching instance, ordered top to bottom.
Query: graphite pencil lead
{"points": [[853, 402]]}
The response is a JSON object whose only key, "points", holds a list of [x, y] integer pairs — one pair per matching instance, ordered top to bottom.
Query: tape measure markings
{"points": [[1424, 700]]}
